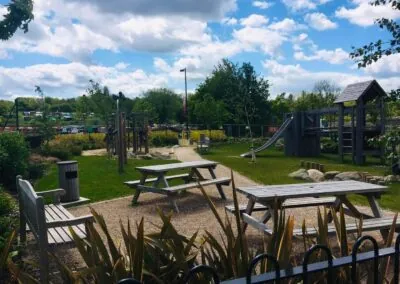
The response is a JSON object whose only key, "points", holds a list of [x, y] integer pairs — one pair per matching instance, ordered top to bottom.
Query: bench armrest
{"points": [[54, 193], [70, 222]]}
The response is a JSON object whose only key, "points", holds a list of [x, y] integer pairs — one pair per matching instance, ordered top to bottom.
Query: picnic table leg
{"points": [[219, 187], [137, 191], [171, 197], [249, 210], [353, 210], [377, 211]]}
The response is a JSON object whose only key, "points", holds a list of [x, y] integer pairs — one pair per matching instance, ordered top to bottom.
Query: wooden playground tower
{"points": [[368, 98], [356, 103], [118, 136]]}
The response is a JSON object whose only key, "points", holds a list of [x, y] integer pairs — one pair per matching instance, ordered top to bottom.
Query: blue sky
{"points": [[134, 45]]}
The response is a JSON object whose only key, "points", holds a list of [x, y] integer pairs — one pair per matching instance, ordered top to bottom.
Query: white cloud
{"points": [[262, 4], [302, 5], [206, 9], [365, 14], [254, 20], [229, 21], [320, 21], [287, 25], [58, 36], [265, 39], [336, 56], [386, 66], [294, 78], [68, 80]]}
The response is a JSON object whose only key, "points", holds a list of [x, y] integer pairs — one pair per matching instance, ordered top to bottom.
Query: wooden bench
{"points": [[204, 143], [135, 183], [175, 189], [290, 203], [49, 224], [367, 225]]}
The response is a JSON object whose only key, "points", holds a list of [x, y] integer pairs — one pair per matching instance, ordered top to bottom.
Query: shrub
{"points": [[214, 135], [160, 138], [85, 141], [329, 146], [62, 151], [14, 154], [8, 217]]}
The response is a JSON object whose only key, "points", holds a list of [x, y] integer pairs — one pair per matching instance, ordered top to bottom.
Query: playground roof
{"points": [[353, 92]]}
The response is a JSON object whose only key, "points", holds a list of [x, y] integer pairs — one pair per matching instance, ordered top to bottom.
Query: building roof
{"points": [[355, 91]]}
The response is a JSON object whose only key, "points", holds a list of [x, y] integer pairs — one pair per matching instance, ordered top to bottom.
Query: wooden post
{"points": [[340, 130], [360, 133], [68, 180]]}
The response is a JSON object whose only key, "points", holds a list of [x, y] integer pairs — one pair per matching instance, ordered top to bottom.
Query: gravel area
{"points": [[195, 214]]}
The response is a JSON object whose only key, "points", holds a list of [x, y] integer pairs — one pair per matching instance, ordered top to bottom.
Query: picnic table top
{"points": [[175, 166], [335, 188]]}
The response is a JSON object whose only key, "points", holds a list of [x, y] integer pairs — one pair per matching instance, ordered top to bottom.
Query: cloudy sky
{"points": [[134, 45]]}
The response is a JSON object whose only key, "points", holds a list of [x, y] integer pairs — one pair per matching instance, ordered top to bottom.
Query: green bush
{"points": [[163, 138], [329, 146], [62, 151], [14, 155], [8, 216]]}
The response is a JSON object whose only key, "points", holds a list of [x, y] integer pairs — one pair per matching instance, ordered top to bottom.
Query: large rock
{"points": [[300, 174], [331, 174], [315, 175], [348, 176], [391, 178]]}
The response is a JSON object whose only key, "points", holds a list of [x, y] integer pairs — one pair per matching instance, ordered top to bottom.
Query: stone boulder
{"points": [[300, 174], [331, 174], [316, 175], [348, 176], [391, 178]]}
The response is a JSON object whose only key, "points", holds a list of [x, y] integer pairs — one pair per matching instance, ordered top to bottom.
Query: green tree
{"points": [[19, 15], [374, 51], [243, 92], [101, 101], [166, 104], [143, 105], [280, 106], [210, 112]]}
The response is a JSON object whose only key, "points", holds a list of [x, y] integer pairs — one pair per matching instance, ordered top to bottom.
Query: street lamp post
{"points": [[186, 105]]}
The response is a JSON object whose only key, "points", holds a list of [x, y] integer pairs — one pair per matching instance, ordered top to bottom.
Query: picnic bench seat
{"points": [[135, 183], [174, 189], [290, 203], [49, 224], [373, 224]]}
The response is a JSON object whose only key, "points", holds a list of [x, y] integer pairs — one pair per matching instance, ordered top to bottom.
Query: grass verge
{"points": [[99, 178]]}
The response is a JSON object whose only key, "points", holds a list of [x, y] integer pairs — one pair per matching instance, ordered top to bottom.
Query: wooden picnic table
{"points": [[191, 178], [308, 194]]}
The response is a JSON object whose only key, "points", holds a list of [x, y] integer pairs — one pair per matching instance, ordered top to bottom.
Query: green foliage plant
{"points": [[19, 15], [14, 155]]}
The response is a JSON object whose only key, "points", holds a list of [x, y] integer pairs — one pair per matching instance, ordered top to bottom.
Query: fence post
{"points": [[356, 245], [307, 256], [256, 260], [396, 260], [203, 269]]}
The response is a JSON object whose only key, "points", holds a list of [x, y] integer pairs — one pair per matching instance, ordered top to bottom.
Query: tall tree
{"points": [[18, 17], [374, 51], [240, 89], [101, 100], [166, 104]]}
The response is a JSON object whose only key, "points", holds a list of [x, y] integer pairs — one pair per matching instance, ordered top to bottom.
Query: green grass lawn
{"points": [[273, 167], [99, 178]]}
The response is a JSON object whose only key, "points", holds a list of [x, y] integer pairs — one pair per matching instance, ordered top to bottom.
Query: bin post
{"points": [[68, 180]]}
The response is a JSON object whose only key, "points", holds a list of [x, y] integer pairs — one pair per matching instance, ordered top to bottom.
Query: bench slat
{"points": [[222, 180], [135, 183], [291, 203], [55, 235]]}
